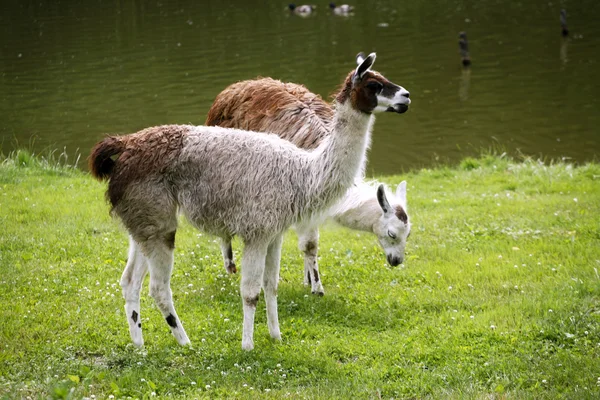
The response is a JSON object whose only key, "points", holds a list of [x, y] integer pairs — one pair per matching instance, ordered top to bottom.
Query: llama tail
{"points": [[101, 161]]}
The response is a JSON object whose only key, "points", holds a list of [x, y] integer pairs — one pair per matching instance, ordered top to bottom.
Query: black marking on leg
{"points": [[170, 240], [310, 247], [230, 252], [316, 275], [309, 278], [251, 301], [134, 316], [171, 321], [140, 325]]}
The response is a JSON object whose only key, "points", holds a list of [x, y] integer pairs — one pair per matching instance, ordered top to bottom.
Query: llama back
{"points": [[288, 110], [199, 170], [247, 183]]}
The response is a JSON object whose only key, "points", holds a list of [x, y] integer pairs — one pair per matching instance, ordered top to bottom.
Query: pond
{"points": [[72, 72]]}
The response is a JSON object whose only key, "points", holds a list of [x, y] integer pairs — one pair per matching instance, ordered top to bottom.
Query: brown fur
{"points": [[345, 90], [359, 93], [251, 105], [289, 110], [145, 153], [100, 160], [401, 214], [170, 240], [310, 247], [251, 301]]}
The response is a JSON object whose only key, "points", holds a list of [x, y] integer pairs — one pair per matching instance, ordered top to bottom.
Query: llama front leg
{"points": [[308, 242], [227, 252], [160, 262], [253, 266], [131, 282], [270, 282]]}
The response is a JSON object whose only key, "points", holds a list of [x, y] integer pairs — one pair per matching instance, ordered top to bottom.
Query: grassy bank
{"points": [[498, 297]]}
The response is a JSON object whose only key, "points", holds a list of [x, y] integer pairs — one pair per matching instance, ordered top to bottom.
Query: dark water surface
{"points": [[72, 72]]}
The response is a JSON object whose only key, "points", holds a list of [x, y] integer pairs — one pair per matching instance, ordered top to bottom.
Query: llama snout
{"points": [[400, 101], [394, 260]]}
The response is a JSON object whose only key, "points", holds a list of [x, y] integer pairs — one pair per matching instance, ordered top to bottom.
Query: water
{"points": [[72, 73]]}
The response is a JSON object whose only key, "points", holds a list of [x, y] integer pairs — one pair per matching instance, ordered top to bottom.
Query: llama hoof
{"points": [[318, 289], [276, 335], [136, 336], [181, 338], [184, 342], [247, 345]]}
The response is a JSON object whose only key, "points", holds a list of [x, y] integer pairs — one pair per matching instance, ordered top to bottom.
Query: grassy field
{"points": [[499, 297]]}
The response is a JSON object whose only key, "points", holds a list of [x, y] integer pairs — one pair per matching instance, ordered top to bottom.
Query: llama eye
{"points": [[375, 86], [392, 234]]}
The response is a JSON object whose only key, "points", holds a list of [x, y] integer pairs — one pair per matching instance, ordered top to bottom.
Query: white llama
{"points": [[294, 113], [231, 182]]}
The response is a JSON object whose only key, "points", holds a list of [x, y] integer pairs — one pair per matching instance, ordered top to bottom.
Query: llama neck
{"points": [[339, 159], [359, 209]]}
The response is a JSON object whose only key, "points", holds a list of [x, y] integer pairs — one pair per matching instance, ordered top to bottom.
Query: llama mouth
{"points": [[398, 108]]}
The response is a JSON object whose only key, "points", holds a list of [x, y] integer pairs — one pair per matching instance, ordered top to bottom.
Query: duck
{"points": [[342, 9], [301, 10]]}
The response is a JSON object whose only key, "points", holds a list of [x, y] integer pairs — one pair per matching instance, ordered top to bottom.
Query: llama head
{"points": [[370, 92], [393, 227]]}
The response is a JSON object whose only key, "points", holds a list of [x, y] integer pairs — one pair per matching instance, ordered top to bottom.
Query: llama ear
{"points": [[360, 57], [364, 66], [401, 193], [382, 199]]}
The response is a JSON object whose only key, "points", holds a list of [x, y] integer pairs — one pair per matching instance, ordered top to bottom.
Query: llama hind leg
{"points": [[308, 243], [227, 252], [160, 262], [253, 266], [131, 282], [270, 283]]}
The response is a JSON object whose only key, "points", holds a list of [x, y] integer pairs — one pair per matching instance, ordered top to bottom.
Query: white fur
{"points": [[226, 182], [358, 210], [131, 282]]}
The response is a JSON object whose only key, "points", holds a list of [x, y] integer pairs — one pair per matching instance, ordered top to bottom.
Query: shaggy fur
{"points": [[289, 110], [294, 113], [227, 182], [248, 184]]}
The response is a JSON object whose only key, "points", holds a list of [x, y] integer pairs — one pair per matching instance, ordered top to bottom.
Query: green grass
{"points": [[499, 297]]}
